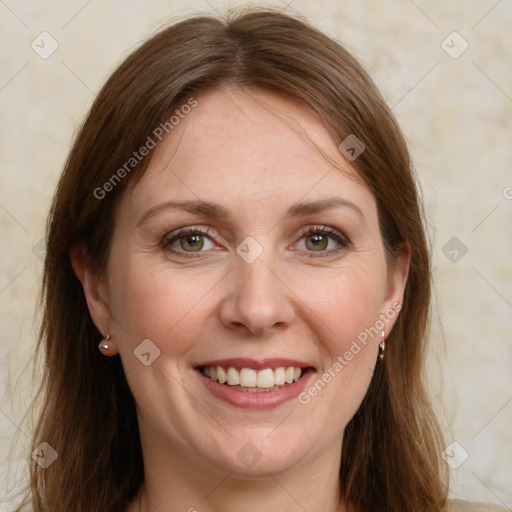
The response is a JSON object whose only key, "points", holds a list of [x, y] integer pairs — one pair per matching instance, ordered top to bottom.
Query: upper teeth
{"points": [[250, 378]]}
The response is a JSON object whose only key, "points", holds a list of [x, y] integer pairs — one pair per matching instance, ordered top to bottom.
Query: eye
{"points": [[323, 240], [188, 241], [317, 242]]}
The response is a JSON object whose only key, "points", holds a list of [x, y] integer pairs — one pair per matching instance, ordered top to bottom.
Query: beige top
{"points": [[472, 506]]}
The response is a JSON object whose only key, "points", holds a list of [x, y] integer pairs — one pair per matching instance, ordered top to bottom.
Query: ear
{"points": [[397, 280], [95, 289]]}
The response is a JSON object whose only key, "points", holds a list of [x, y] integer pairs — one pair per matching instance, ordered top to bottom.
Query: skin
{"points": [[246, 151]]}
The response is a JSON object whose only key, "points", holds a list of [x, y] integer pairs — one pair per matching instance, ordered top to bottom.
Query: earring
{"points": [[104, 343], [382, 345]]}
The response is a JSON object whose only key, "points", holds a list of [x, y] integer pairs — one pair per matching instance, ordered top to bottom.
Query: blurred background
{"points": [[444, 68]]}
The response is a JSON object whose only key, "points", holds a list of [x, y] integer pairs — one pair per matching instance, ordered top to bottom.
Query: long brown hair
{"points": [[391, 450]]}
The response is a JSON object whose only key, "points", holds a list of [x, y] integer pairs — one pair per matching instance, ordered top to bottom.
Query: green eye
{"points": [[188, 241], [322, 241], [317, 242], [192, 243]]}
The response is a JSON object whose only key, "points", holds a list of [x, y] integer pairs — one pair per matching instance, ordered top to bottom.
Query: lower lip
{"points": [[256, 400]]}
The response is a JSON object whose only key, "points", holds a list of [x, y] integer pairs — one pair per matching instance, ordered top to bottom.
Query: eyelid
{"points": [[327, 230], [180, 232], [175, 235], [342, 239]]}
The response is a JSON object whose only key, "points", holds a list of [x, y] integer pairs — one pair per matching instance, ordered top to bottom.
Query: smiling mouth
{"points": [[251, 380]]}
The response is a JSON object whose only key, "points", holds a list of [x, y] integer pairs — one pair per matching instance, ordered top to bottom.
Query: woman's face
{"points": [[243, 248]]}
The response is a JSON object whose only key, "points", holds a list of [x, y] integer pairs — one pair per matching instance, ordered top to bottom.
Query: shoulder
{"points": [[473, 506]]}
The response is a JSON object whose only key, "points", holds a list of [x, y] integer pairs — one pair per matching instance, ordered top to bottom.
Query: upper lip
{"points": [[255, 364]]}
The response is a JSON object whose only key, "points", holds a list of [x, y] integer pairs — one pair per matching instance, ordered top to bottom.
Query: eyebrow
{"points": [[196, 207], [303, 209], [216, 211]]}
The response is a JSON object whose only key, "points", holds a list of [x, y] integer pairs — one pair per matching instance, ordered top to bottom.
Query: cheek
{"points": [[155, 302], [348, 303], [348, 306]]}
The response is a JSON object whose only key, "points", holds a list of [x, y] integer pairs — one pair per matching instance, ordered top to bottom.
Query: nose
{"points": [[258, 300]]}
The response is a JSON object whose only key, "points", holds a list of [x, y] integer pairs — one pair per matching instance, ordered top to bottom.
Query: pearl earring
{"points": [[104, 343], [382, 345]]}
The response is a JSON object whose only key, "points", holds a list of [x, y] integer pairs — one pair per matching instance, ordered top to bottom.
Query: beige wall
{"points": [[456, 112]]}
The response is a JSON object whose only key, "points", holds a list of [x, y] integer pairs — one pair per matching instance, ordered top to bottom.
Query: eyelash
{"points": [[339, 237], [170, 238], [343, 241]]}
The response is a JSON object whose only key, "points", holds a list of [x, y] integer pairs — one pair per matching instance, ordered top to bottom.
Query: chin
{"points": [[258, 454]]}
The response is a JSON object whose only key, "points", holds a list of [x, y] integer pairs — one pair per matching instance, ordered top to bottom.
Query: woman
{"points": [[237, 287]]}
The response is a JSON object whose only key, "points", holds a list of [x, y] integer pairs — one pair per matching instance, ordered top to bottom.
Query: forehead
{"points": [[251, 146]]}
